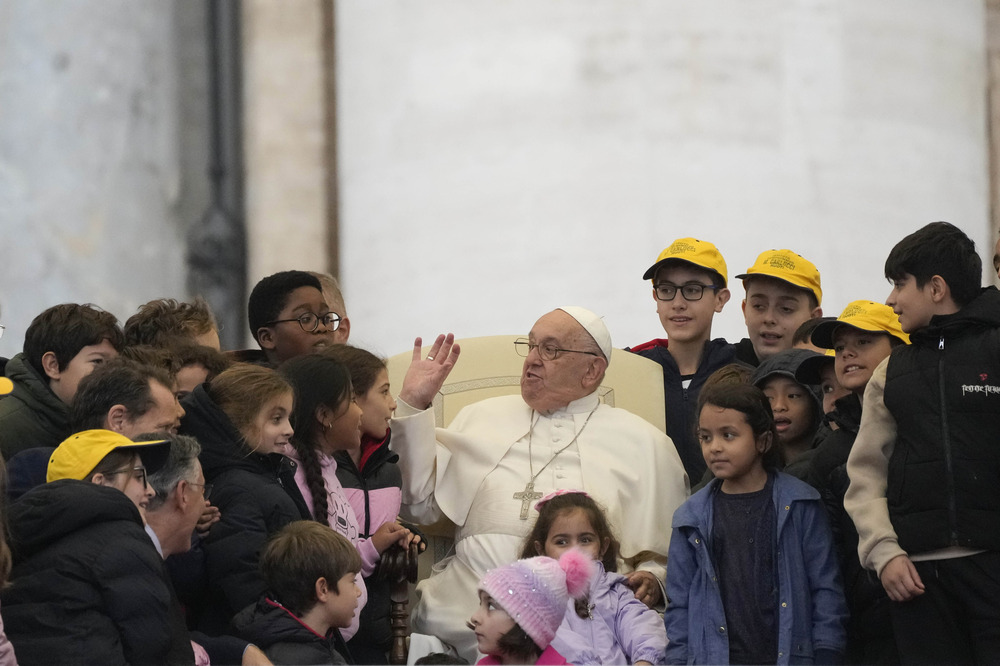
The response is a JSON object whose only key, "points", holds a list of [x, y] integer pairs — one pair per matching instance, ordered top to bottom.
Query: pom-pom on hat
{"points": [[535, 591]]}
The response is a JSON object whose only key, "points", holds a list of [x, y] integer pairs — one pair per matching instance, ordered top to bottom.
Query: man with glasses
{"points": [[689, 288], [289, 317], [499, 456]]}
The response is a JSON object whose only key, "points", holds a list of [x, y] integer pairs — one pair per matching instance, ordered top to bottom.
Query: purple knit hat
{"points": [[534, 591]]}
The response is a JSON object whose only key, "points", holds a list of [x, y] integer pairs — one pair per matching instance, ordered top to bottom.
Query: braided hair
{"points": [[318, 381]]}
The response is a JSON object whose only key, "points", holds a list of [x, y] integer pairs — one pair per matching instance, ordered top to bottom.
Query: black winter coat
{"points": [[31, 415], [256, 495], [87, 585], [284, 639]]}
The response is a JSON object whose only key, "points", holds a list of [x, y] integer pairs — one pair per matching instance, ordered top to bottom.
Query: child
{"points": [[689, 288], [782, 292], [334, 298], [289, 317], [165, 321], [861, 338], [61, 346], [820, 371], [797, 408], [327, 419], [241, 420], [371, 482], [924, 483], [309, 570], [752, 576], [521, 606], [615, 627]]}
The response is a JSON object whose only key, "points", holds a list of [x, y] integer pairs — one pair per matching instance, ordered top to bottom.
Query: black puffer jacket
{"points": [[943, 390], [31, 415], [256, 495], [87, 585], [285, 639]]}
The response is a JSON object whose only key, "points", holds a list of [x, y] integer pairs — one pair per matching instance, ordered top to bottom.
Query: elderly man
{"points": [[486, 470], [171, 517]]}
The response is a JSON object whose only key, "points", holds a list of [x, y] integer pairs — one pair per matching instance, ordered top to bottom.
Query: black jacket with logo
{"points": [[943, 391]]}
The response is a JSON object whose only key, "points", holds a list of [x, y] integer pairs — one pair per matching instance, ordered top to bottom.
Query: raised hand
{"points": [[425, 376]]}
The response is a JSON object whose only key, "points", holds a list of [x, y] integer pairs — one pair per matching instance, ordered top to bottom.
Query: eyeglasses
{"points": [[692, 291], [309, 322], [547, 352], [140, 474], [206, 486]]}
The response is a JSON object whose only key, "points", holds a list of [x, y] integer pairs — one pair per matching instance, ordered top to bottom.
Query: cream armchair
{"points": [[489, 367]]}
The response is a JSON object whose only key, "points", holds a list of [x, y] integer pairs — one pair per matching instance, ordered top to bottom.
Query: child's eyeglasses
{"points": [[691, 292], [309, 322]]}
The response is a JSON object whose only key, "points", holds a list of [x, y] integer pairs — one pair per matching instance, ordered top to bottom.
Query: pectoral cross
{"points": [[527, 496]]}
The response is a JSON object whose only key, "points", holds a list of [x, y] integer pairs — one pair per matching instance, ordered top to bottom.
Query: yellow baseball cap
{"points": [[693, 251], [789, 267], [864, 316], [6, 386], [79, 454]]}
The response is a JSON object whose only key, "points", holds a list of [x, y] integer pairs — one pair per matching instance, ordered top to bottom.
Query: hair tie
{"points": [[557, 493]]}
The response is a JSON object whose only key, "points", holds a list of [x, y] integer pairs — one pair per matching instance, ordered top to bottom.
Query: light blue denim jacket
{"points": [[812, 612]]}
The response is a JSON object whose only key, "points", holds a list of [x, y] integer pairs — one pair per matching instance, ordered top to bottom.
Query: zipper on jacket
{"points": [[946, 443]]}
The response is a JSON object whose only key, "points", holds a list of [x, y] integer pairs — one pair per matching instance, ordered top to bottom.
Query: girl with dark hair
{"points": [[327, 419], [372, 484], [751, 553], [609, 625]]}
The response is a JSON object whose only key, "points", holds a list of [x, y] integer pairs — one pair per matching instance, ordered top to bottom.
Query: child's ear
{"points": [[939, 289], [722, 297], [265, 337], [50, 364], [325, 416], [764, 442], [605, 542], [538, 549], [322, 589]]}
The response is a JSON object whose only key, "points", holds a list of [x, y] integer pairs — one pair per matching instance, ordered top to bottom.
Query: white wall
{"points": [[94, 136], [500, 159]]}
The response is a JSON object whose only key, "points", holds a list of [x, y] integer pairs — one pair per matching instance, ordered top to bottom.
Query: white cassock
{"points": [[470, 471]]}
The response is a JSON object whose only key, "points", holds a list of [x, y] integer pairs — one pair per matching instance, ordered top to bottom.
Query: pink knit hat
{"points": [[534, 591]]}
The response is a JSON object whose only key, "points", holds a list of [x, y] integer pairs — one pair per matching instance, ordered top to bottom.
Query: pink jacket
{"points": [[341, 518], [548, 656]]}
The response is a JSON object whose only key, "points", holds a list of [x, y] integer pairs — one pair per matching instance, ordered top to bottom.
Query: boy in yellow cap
{"points": [[689, 287], [782, 291], [861, 338]]}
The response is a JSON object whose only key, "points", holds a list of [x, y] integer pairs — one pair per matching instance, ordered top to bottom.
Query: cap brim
{"points": [[808, 371], [6, 386], [154, 454]]}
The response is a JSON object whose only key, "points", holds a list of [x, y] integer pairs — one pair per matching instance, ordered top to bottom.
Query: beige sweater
{"points": [[868, 468]]}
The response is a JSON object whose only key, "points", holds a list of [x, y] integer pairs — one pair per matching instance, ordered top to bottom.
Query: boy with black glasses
{"points": [[689, 288]]}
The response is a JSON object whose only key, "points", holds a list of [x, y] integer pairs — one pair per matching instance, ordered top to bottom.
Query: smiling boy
{"points": [[689, 289], [782, 291], [63, 344], [924, 482]]}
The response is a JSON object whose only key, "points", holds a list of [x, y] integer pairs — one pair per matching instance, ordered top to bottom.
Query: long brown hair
{"points": [[242, 391]]}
